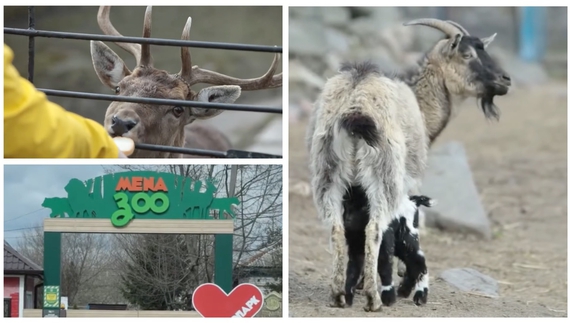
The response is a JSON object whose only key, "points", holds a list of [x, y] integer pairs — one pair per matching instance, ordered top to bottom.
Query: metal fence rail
{"points": [[31, 33]]}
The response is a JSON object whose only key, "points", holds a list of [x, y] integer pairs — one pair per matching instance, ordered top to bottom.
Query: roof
{"points": [[264, 258], [16, 263]]}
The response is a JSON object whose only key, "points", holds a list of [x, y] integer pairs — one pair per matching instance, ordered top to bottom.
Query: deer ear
{"points": [[109, 67], [215, 94]]}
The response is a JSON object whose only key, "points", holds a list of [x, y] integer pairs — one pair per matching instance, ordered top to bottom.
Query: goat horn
{"points": [[449, 29], [465, 32], [146, 57]]}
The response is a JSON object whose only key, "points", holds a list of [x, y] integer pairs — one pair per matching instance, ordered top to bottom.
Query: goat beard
{"points": [[489, 108]]}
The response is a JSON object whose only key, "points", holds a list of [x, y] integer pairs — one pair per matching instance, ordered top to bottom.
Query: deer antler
{"points": [[141, 53], [194, 75]]}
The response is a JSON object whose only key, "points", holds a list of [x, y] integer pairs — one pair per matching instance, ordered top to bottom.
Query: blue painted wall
{"points": [[532, 33]]}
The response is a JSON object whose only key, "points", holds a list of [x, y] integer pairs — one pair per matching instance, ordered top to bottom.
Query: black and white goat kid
{"points": [[373, 130], [400, 240]]}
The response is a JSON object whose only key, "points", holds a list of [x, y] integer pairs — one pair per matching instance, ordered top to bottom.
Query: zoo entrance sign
{"points": [[123, 197]]}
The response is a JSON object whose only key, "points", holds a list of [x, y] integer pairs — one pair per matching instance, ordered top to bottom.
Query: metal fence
{"points": [[31, 33]]}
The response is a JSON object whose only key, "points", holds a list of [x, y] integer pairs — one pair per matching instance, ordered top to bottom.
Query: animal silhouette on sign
{"points": [[79, 199], [194, 199], [224, 205], [59, 206]]}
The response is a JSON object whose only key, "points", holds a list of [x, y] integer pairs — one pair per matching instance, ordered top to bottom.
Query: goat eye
{"points": [[467, 55], [117, 89], [178, 111]]}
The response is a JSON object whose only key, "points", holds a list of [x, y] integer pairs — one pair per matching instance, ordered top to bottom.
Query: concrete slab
{"points": [[448, 179], [470, 280]]}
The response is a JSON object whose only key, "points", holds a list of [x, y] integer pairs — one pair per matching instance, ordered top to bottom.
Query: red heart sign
{"points": [[210, 300]]}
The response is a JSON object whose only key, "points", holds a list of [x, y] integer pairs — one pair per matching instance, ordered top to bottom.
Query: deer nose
{"points": [[120, 126]]}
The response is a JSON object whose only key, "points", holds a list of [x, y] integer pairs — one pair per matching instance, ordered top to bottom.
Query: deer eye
{"points": [[117, 89], [177, 111]]}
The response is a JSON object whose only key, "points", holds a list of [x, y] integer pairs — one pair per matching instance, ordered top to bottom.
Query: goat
{"points": [[479, 66], [165, 125], [373, 130], [399, 240]]}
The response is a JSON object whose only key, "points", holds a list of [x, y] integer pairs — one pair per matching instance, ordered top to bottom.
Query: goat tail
{"points": [[360, 125]]}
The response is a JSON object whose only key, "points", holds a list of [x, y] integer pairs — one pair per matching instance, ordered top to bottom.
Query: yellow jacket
{"points": [[37, 128]]}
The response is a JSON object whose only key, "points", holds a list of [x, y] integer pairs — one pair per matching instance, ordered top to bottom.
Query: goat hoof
{"points": [[401, 269], [401, 273], [360, 286], [404, 291], [388, 296], [420, 297], [349, 299], [338, 301], [373, 303]]}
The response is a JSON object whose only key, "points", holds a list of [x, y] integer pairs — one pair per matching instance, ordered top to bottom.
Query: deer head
{"points": [[162, 124]]}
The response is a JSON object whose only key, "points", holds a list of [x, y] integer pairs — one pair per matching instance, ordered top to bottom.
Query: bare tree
{"points": [[84, 257], [162, 271]]}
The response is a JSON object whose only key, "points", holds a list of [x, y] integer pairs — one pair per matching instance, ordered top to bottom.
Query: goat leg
{"points": [[373, 239], [408, 250], [385, 257], [339, 263], [353, 270]]}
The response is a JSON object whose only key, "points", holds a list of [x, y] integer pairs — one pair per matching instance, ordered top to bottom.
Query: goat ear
{"points": [[488, 40], [452, 45], [109, 67], [215, 94]]}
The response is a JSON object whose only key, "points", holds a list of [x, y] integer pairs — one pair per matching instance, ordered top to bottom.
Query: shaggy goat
{"points": [[372, 131], [399, 240]]}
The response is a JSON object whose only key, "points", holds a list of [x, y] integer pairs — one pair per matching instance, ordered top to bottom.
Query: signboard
{"points": [[122, 197], [51, 297], [209, 300], [273, 302], [64, 303], [50, 312]]}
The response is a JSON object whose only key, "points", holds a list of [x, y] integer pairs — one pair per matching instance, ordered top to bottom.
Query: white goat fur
{"points": [[388, 169]]}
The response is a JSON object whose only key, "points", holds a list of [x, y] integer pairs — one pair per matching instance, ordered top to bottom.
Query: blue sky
{"points": [[26, 186]]}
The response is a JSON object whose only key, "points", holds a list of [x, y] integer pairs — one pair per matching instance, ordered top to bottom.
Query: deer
{"points": [[164, 124]]}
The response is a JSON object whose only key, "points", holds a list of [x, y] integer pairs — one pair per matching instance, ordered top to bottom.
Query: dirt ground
{"points": [[520, 169]]}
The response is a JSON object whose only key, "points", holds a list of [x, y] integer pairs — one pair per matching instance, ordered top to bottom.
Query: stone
{"points": [[335, 16], [306, 37], [337, 41], [300, 73], [448, 179], [471, 280]]}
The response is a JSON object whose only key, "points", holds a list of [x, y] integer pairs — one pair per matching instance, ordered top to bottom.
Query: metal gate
{"points": [[31, 33]]}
